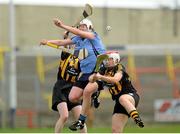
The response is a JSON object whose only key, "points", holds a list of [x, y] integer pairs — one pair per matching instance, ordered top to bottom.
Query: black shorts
{"points": [[82, 81], [61, 92], [118, 108]]}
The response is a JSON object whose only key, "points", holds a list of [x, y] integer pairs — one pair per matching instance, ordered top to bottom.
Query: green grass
{"points": [[149, 128], [155, 128]]}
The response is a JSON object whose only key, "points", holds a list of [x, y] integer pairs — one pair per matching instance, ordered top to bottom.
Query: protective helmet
{"points": [[88, 23], [115, 56]]}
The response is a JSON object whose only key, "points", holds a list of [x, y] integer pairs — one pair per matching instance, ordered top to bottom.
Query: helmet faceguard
{"points": [[88, 23], [115, 56]]}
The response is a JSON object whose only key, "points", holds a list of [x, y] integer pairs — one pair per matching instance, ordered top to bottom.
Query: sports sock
{"points": [[134, 114], [82, 118]]}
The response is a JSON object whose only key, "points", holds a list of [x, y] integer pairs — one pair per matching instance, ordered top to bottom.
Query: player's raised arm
{"points": [[84, 30]]}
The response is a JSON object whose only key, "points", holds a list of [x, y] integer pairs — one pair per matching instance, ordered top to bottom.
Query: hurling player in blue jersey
{"points": [[85, 38]]}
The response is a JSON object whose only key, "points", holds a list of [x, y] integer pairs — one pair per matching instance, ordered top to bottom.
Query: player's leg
{"points": [[77, 89], [88, 91], [75, 94], [59, 102], [129, 102], [86, 105], [76, 112], [63, 116], [90, 117], [119, 118], [118, 122]]}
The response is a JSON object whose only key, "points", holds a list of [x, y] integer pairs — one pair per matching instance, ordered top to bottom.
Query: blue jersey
{"points": [[87, 65]]}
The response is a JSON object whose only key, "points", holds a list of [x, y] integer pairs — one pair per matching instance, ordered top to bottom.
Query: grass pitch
{"points": [[149, 128]]}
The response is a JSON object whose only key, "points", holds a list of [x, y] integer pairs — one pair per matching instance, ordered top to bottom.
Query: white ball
{"points": [[108, 28]]}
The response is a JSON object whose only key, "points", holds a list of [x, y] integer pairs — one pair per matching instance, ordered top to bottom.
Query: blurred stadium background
{"points": [[146, 32]]}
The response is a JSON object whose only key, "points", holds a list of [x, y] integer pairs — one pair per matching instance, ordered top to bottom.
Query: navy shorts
{"points": [[82, 81]]}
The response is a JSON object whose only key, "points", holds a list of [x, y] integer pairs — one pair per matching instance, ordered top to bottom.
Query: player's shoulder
{"points": [[96, 34], [75, 37], [64, 55], [120, 67]]}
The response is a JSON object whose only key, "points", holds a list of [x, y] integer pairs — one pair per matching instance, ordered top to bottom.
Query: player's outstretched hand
{"points": [[57, 22], [43, 42]]}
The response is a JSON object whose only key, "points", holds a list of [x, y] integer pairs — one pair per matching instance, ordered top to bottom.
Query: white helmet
{"points": [[88, 23], [115, 56]]}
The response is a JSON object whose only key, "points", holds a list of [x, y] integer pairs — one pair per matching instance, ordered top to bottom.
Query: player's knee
{"points": [[87, 93], [73, 99], [64, 118]]}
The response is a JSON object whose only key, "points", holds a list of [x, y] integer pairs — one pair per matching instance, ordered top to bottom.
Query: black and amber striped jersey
{"points": [[68, 67], [123, 86]]}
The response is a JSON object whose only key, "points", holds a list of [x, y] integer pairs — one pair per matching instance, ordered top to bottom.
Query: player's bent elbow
{"points": [[91, 36]]}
